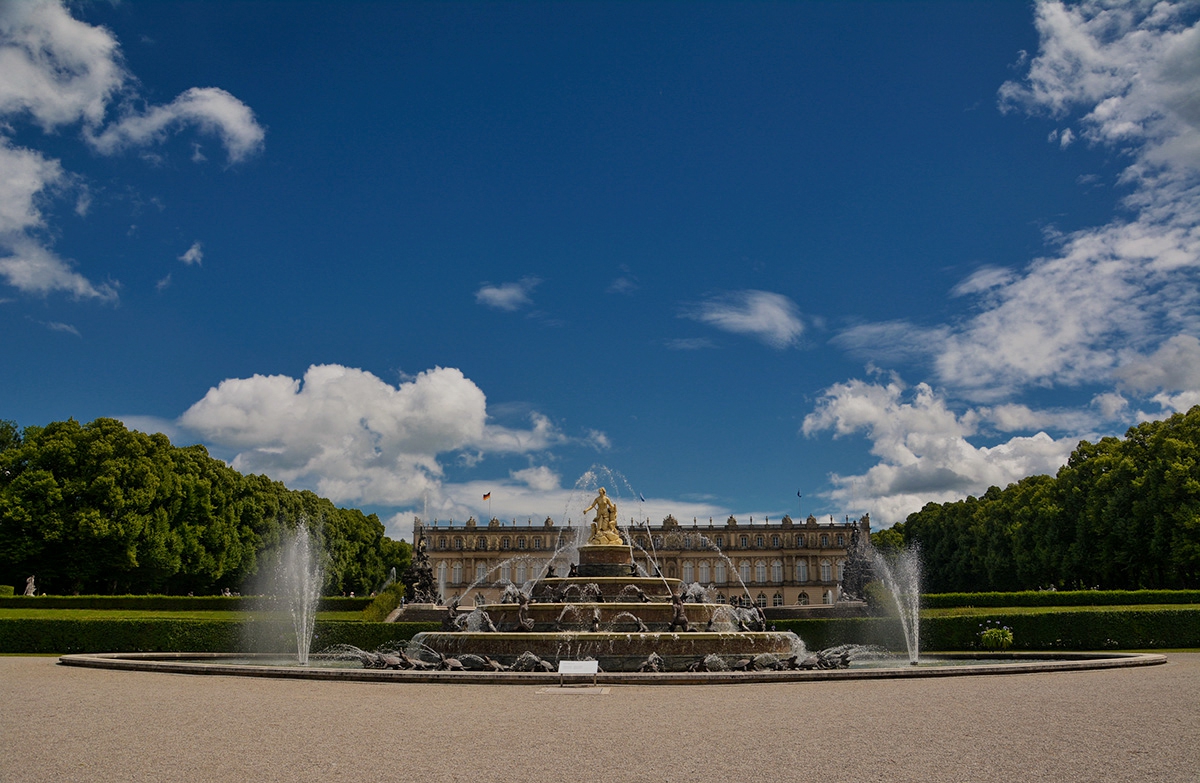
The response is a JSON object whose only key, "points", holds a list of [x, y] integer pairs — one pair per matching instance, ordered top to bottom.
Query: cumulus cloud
{"points": [[59, 72], [507, 296], [769, 317], [354, 437], [922, 447]]}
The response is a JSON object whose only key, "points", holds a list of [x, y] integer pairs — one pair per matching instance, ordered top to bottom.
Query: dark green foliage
{"points": [[98, 508], [1120, 515], [6, 590], [1061, 598], [166, 603], [384, 603], [1116, 629], [30, 636]]}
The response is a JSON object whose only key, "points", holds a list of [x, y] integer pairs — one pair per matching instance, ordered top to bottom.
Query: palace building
{"points": [[770, 564]]}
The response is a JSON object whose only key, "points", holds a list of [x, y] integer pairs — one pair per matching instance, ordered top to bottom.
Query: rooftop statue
{"points": [[604, 528]]}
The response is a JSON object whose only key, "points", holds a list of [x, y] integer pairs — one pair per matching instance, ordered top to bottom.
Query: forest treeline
{"points": [[98, 508], [1122, 514]]}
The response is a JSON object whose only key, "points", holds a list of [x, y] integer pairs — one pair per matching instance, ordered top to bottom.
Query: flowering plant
{"points": [[995, 637]]}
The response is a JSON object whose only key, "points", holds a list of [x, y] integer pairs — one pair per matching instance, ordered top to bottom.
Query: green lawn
{"points": [[126, 614]]}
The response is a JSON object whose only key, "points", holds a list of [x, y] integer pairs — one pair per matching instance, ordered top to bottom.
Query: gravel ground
{"points": [[73, 724]]}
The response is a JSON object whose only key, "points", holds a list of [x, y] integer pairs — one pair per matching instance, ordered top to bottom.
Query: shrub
{"points": [[6, 590], [1061, 598], [166, 603], [384, 603], [996, 637]]}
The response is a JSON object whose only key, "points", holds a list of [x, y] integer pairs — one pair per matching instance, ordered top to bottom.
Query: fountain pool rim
{"points": [[219, 664]]}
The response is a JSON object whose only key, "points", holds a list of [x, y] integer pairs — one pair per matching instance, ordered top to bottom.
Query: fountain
{"points": [[901, 575], [299, 578], [605, 611]]}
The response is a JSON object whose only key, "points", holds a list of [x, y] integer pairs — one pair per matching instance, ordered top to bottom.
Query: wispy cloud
{"points": [[60, 72], [193, 255], [508, 296], [769, 317], [56, 326], [689, 344]]}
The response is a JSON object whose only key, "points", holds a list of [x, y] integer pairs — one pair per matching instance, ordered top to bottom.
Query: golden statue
{"points": [[604, 529]]}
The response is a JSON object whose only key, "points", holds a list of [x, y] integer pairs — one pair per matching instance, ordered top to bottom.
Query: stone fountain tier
{"points": [[605, 560], [608, 588], [611, 616], [616, 652]]}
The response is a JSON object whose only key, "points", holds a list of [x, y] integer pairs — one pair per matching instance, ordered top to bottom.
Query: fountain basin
{"points": [[617, 617], [616, 651]]}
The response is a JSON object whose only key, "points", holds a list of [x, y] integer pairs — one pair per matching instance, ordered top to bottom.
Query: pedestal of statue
{"points": [[605, 560]]}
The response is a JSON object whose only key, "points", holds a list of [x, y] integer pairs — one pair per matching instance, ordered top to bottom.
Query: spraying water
{"points": [[901, 574], [300, 578]]}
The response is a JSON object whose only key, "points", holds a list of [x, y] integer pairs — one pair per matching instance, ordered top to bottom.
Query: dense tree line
{"points": [[98, 508], [1121, 514]]}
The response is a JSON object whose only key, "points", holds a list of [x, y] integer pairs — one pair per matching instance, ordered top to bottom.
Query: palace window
{"points": [[824, 539], [841, 539], [719, 541], [800, 541], [441, 542], [458, 542], [520, 542], [537, 542], [657, 542], [687, 542], [744, 542], [758, 542], [774, 542], [481, 543], [505, 543], [841, 568], [802, 570], [744, 571], [777, 571], [826, 571], [456, 572], [480, 572], [506, 572], [688, 572], [760, 572], [441, 573], [521, 573], [719, 575], [705, 577], [828, 597], [720, 598], [802, 599], [761, 600], [777, 600]]}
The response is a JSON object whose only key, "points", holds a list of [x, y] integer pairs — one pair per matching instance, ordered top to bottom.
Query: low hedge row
{"points": [[1061, 598], [167, 603], [1118, 629], [28, 636]]}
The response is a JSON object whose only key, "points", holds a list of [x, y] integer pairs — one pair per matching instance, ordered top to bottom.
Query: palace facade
{"points": [[780, 563]]}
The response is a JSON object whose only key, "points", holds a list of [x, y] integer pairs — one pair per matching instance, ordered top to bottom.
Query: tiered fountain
{"points": [[602, 610]]}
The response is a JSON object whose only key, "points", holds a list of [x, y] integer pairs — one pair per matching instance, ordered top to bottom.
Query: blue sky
{"points": [[405, 254]]}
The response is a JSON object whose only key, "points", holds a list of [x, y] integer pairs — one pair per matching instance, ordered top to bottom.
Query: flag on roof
{"points": [[487, 496]]}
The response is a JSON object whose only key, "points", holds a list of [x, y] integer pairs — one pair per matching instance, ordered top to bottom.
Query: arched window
{"points": [[505, 543], [841, 568], [802, 570], [744, 571], [760, 571], [777, 571], [826, 571], [456, 572], [481, 572], [506, 572], [688, 572], [442, 573], [521, 573], [719, 575], [705, 576], [720, 598], [802, 599], [761, 600], [777, 600]]}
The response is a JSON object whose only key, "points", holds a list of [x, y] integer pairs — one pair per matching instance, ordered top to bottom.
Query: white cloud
{"points": [[59, 71], [193, 255], [507, 296], [772, 318], [58, 326], [689, 344], [1175, 366], [353, 437], [923, 450], [540, 478]]}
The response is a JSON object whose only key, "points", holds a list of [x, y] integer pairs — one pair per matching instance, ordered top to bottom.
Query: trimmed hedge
{"points": [[1061, 598], [167, 603], [1117, 629], [19, 635]]}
